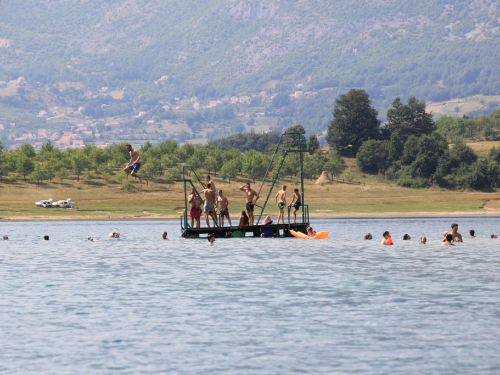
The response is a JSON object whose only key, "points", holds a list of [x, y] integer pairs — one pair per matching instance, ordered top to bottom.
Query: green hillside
{"points": [[154, 51]]}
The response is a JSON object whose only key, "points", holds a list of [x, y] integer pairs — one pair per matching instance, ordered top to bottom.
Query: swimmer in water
{"points": [[310, 232], [472, 233], [494, 235], [164, 236], [368, 236], [5, 237], [46, 237], [406, 237], [457, 237], [211, 239], [387, 239], [423, 240], [447, 240]]}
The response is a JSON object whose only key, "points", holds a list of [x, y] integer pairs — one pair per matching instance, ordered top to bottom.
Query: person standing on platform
{"points": [[208, 180], [250, 195], [281, 202], [295, 203], [223, 204], [209, 206], [195, 210]]}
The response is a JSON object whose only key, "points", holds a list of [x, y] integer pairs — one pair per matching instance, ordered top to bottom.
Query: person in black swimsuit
{"points": [[250, 195]]}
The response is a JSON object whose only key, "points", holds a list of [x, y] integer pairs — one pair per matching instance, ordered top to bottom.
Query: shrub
{"points": [[408, 181], [129, 187]]}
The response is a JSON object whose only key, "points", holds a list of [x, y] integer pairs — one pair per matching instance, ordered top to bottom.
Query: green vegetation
{"points": [[354, 122], [475, 128], [410, 148], [160, 163]]}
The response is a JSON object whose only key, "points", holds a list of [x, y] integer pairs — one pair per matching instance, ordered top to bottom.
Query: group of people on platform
{"points": [[213, 199], [449, 237]]}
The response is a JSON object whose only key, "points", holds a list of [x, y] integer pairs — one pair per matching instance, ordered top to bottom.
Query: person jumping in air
{"points": [[133, 165], [281, 202], [295, 203]]}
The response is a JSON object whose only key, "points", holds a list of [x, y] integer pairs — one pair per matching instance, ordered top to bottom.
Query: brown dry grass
{"points": [[161, 200]]}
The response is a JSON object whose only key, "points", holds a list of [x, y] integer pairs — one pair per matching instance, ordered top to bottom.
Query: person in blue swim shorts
{"points": [[133, 165], [281, 202]]}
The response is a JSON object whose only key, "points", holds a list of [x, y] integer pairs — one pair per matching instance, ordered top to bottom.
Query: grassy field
{"points": [[460, 107], [483, 148], [373, 196], [100, 201]]}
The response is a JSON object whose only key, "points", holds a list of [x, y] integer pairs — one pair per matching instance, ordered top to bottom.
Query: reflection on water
{"points": [[249, 306]]}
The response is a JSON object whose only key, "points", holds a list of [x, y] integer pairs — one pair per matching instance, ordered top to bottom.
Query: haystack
{"points": [[324, 179]]}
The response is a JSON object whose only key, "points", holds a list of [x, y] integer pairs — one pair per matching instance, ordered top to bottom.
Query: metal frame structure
{"points": [[293, 143]]}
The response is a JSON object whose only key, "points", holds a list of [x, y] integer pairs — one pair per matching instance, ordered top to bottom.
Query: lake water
{"points": [[141, 305]]}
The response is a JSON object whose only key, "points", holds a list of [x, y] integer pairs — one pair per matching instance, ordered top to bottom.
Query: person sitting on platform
{"points": [[267, 220], [244, 221]]}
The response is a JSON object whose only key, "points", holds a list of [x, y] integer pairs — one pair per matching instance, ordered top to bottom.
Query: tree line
{"points": [[411, 148], [163, 162]]}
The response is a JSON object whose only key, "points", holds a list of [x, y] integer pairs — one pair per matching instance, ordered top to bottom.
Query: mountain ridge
{"points": [[155, 51]]}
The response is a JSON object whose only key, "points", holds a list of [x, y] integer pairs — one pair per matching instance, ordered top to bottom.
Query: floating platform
{"points": [[270, 230]]}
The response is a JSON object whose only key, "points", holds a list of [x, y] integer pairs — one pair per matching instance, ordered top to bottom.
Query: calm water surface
{"points": [[141, 305]]}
